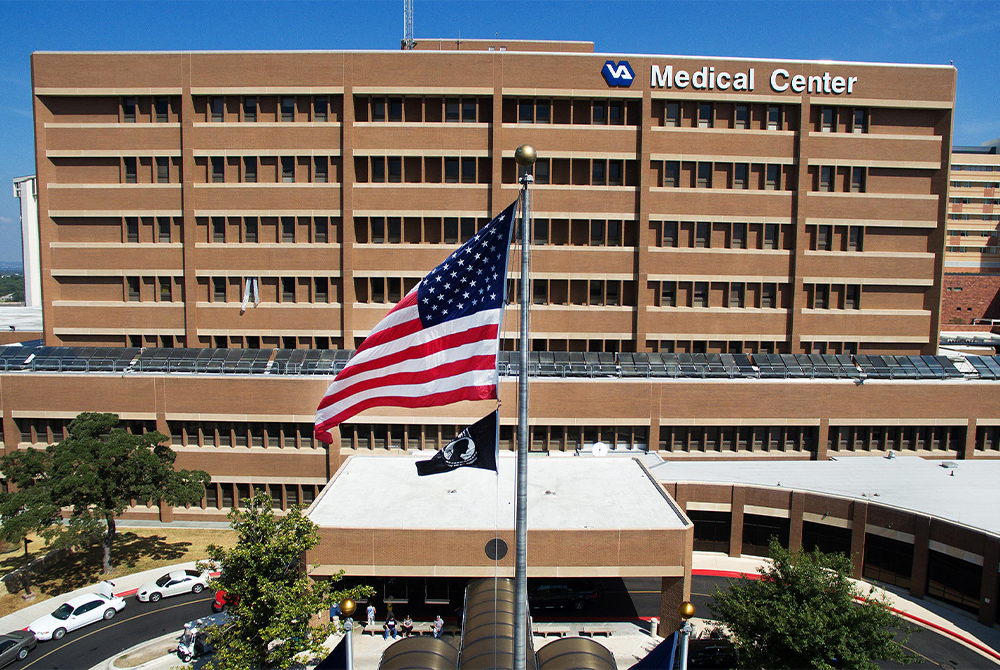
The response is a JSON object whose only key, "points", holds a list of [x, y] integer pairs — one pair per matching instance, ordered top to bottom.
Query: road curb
{"points": [[108, 664]]}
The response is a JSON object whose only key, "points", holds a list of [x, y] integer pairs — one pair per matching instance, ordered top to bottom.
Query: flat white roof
{"points": [[27, 319], [563, 494], [970, 497]]}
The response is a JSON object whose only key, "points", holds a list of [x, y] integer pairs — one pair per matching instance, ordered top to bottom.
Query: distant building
{"points": [[26, 189]]}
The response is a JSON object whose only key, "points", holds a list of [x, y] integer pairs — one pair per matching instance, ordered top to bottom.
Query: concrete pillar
{"points": [[798, 508], [166, 512], [859, 522], [736, 524], [921, 556], [988, 589], [673, 591]]}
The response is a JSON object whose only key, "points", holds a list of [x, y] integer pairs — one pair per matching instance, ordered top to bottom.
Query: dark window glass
{"points": [[218, 106], [320, 108], [250, 109], [288, 109], [378, 109], [395, 109], [128, 110], [162, 110], [452, 110], [469, 110], [525, 111], [542, 111], [599, 113], [672, 113], [616, 114], [705, 116], [742, 116], [774, 117], [828, 119], [860, 121], [218, 169], [250, 169], [288, 169], [378, 169], [395, 169], [162, 170], [451, 170], [468, 170], [131, 171], [542, 171], [615, 173], [671, 173], [597, 175], [704, 175], [740, 175], [773, 177], [826, 178], [858, 180], [163, 228], [132, 229], [218, 229], [288, 229], [250, 230], [320, 230], [378, 230], [394, 230], [451, 230], [596, 233], [615, 234], [669, 234], [739, 236], [770, 236], [702, 237], [824, 238], [133, 289], [165, 289], [218, 289], [288, 289], [668, 294], [736, 294], [768, 295], [851, 295], [700, 296]]}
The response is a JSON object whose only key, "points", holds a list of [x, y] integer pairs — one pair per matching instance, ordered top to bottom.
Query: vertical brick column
{"points": [[188, 203], [799, 213], [347, 233], [645, 298], [823, 439], [970, 440], [333, 458], [798, 508], [166, 512], [859, 523], [736, 524], [921, 557], [988, 590], [672, 594]]}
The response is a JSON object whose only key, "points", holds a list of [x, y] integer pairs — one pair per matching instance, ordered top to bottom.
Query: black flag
{"points": [[475, 447]]}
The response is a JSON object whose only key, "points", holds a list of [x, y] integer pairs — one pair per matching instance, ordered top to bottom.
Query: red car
{"points": [[221, 601]]}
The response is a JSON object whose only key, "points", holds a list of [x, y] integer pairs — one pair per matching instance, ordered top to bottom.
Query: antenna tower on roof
{"points": [[408, 42]]}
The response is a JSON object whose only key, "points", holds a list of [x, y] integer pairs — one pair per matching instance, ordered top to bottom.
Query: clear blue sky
{"points": [[966, 32]]}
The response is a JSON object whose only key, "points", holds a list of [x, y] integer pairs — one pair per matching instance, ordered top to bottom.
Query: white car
{"points": [[173, 584], [76, 613]]}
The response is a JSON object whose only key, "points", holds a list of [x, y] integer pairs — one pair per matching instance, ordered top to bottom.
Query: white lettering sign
{"points": [[781, 80]]}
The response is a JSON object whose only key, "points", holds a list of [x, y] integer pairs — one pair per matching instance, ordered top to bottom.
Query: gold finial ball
{"points": [[525, 155], [347, 606], [686, 610]]}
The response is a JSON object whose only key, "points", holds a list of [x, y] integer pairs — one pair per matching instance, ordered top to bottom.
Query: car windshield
{"points": [[162, 581], [63, 612]]}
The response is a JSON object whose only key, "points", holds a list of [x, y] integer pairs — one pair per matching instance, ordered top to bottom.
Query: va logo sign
{"points": [[618, 74]]}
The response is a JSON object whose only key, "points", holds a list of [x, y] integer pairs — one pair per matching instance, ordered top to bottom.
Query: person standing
{"points": [[371, 615], [438, 626]]}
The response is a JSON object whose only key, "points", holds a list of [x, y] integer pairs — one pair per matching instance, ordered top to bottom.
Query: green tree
{"points": [[95, 473], [805, 612], [270, 622]]}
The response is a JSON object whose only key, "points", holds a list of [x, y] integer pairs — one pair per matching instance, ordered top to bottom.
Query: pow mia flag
{"points": [[475, 447]]}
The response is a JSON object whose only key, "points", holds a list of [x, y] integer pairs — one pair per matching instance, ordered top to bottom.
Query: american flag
{"points": [[439, 344]]}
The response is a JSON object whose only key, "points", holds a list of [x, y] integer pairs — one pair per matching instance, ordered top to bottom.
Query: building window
{"points": [[321, 106], [218, 107], [250, 109], [288, 109], [396, 109], [128, 110], [162, 110], [452, 110], [469, 110], [525, 111], [543, 111], [599, 113], [616, 113], [672, 114], [705, 116], [743, 116], [829, 119], [774, 121], [859, 122], [218, 169], [250, 169], [288, 169], [378, 169], [395, 169], [162, 170], [451, 170], [468, 170], [131, 171], [542, 171], [598, 173], [615, 173], [671, 173], [826, 173], [321, 174], [704, 175], [740, 175], [773, 178], [858, 180], [131, 229], [163, 229], [218, 229], [288, 229], [250, 230], [321, 230], [541, 232], [596, 233], [615, 234], [702, 235], [824, 235], [669, 236], [739, 236], [770, 236], [855, 238], [165, 286], [133, 288], [218, 289], [288, 289], [321, 289], [668, 294], [736, 294], [851, 294], [768, 296], [821, 296], [699, 297]]}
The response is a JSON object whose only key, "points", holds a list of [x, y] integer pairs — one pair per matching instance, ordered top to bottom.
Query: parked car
{"points": [[173, 584], [571, 593], [222, 601], [77, 613], [194, 640], [15, 645]]}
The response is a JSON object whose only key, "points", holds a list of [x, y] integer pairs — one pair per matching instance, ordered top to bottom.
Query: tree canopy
{"points": [[96, 473], [276, 601], [805, 612]]}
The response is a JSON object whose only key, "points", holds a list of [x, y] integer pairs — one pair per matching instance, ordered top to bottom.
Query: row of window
{"points": [[268, 108], [157, 109], [412, 109], [572, 111], [744, 116], [977, 168], [269, 169], [427, 169], [150, 170], [574, 171], [738, 176], [841, 179], [975, 184], [974, 201], [973, 217], [159, 229], [269, 229], [972, 233], [706, 235], [836, 238], [975, 250], [154, 289], [281, 290], [595, 292], [760, 295], [835, 296], [50, 431], [242, 434], [543, 438], [897, 438], [706, 439], [283, 496]]}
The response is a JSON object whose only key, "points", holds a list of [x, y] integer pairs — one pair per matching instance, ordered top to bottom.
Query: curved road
{"points": [[623, 600], [138, 622]]}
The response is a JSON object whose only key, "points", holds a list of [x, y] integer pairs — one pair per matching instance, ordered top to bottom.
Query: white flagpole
{"points": [[525, 157]]}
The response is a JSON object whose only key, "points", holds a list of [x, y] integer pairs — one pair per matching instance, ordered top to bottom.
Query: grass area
{"points": [[135, 550]]}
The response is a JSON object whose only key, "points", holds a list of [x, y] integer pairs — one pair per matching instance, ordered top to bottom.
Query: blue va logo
{"points": [[618, 74]]}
